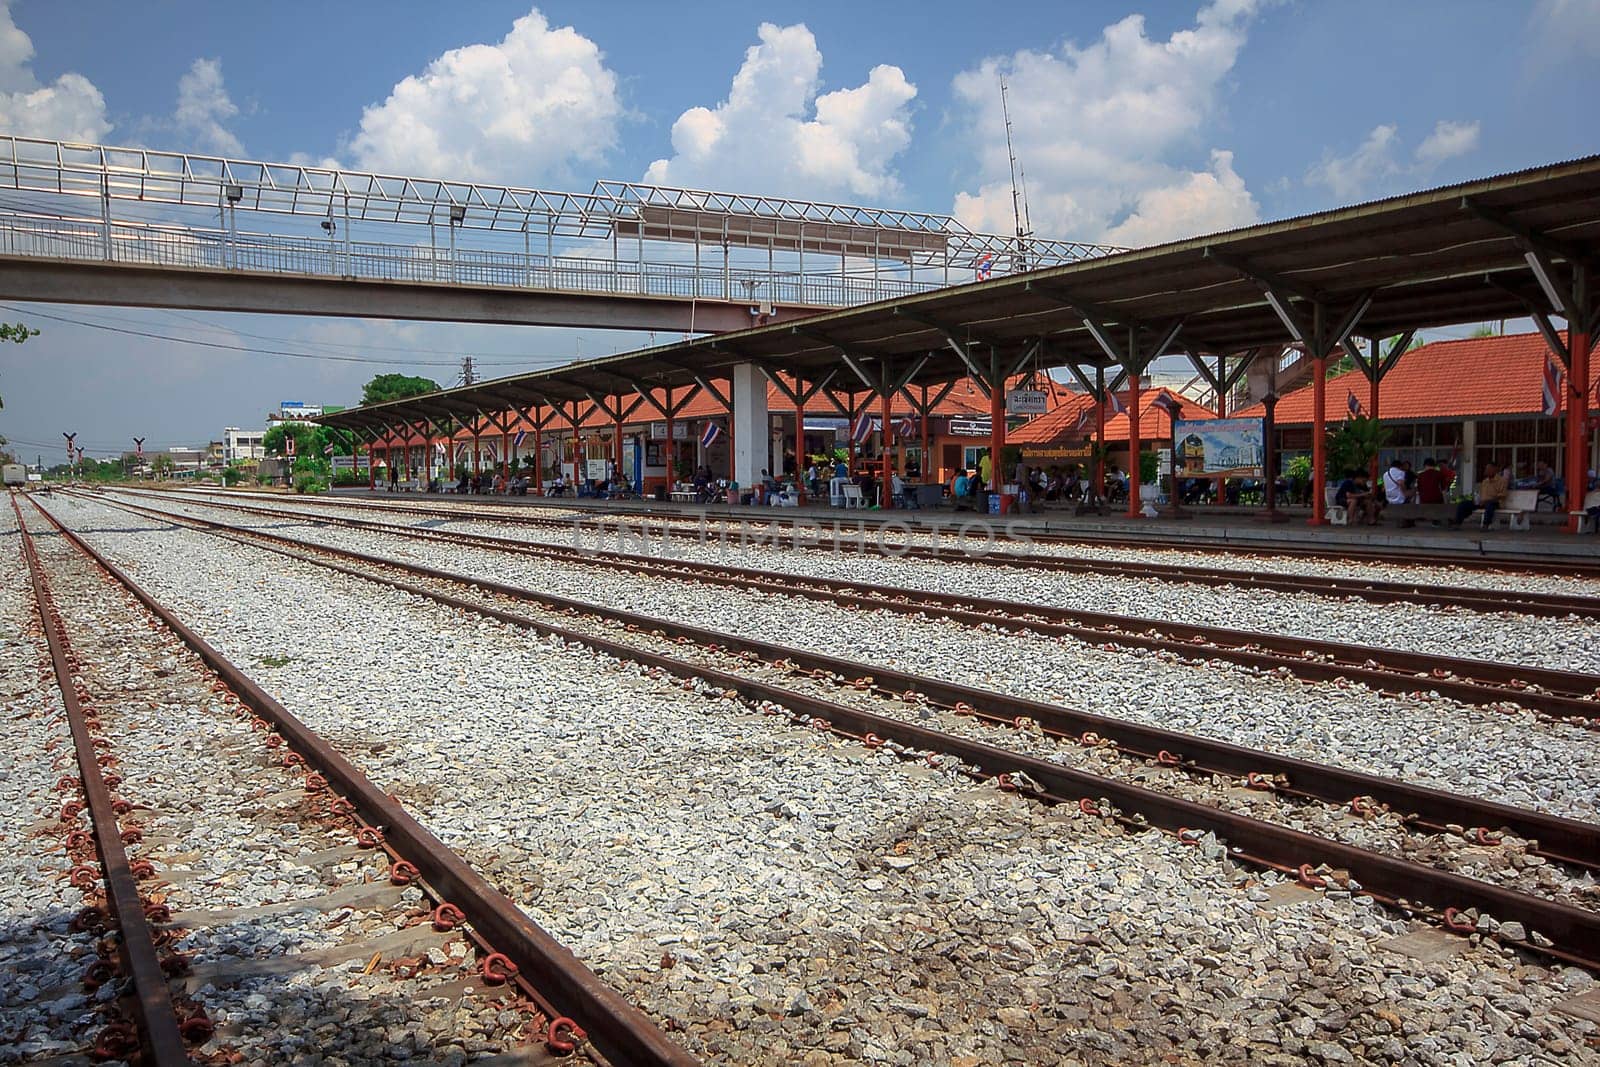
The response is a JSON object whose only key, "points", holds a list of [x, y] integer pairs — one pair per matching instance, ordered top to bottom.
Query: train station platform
{"points": [[1242, 529]]}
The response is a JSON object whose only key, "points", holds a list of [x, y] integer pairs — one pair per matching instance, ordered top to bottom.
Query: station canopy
{"points": [[1462, 253]]}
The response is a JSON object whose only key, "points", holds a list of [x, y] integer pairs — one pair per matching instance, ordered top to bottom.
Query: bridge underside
{"points": [[74, 282]]}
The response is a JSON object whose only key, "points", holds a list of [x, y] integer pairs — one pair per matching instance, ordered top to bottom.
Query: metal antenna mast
{"points": [[1019, 186]]}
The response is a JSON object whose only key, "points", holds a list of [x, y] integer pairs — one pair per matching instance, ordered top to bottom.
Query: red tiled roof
{"points": [[1478, 376], [1060, 424]]}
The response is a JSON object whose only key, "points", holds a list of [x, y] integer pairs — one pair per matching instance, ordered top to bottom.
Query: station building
{"points": [[1464, 402]]}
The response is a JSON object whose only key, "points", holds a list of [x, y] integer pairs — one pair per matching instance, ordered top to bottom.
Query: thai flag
{"points": [[985, 266], [1551, 387], [1165, 403], [1353, 404], [1117, 406], [1083, 419], [905, 427], [863, 429], [713, 431], [522, 435], [328, 450], [488, 450]]}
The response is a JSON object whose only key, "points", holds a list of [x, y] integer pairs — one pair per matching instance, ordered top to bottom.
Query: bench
{"points": [[850, 492], [1520, 503], [1337, 514], [1410, 514], [1586, 522]]}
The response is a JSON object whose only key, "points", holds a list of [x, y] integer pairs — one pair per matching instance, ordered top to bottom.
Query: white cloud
{"points": [[1565, 27], [203, 107], [70, 109], [522, 111], [1105, 132], [774, 134], [1448, 140], [1373, 167], [1349, 176], [1205, 202]]}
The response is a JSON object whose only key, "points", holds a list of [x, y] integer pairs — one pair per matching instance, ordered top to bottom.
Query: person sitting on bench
{"points": [[1491, 494]]}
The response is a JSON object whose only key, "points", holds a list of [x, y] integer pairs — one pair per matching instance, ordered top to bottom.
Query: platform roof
{"points": [[1433, 258]]}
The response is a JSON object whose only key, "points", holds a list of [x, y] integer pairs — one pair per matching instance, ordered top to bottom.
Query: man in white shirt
{"points": [[1394, 483]]}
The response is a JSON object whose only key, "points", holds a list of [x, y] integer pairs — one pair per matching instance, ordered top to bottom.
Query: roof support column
{"points": [[1562, 270], [1135, 358], [1375, 367], [881, 380], [799, 396], [924, 408], [748, 422]]}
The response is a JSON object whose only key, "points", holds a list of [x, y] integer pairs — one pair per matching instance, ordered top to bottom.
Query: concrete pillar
{"points": [[748, 421], [1467, 467]]}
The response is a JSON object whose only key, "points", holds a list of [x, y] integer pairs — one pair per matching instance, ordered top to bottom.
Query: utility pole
{"points": [[468, 375], [71, 437]]}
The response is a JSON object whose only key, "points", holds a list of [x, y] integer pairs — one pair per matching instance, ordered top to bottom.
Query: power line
{"points": [[226, 347]]}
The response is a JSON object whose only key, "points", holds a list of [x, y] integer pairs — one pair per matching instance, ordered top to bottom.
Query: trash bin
{"points": [[994, 503]]}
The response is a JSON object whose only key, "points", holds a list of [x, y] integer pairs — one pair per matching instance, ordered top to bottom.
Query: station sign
{"points": [[1027, 402], [970, 427], [1219, 448], [1071, 452]]}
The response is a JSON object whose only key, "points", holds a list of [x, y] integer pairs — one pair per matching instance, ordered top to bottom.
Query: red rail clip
{"points": [[872, 741], [1167, 759], [315, 783], [1088, 807], [1481, 836], [369, 837], [402, 873], [83, 876], [1310, 878], [447, 917], [1453, 921], [497, 968], [197, 1029], [556, 1038], [117, 1041]]}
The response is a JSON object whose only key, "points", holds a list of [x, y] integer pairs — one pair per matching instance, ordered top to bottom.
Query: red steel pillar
{"points": [[1377, 370], [924, 417], [997, 425], [850, 433], [799, 441], [1319, 441], [1134, 444], [1577, 444], [617, 445], [505, 456], [538, 456], [427, 457], [887, 492]]}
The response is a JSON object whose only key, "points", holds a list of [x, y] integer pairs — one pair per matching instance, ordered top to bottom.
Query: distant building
{"points": [[238, 445]]}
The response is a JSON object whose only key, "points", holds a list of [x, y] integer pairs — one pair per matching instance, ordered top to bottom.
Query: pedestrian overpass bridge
{"points": [[93, 224]]}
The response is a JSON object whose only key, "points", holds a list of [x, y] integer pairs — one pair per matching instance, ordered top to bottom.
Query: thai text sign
{"points": [[1027, 402], [1213, 448], [1073, 452]]}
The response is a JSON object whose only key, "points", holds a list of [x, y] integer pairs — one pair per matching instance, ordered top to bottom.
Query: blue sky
{"points": [[1136, 122]]}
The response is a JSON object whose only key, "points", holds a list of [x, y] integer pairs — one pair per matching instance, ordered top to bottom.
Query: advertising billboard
{"points": [[1219, 448]]}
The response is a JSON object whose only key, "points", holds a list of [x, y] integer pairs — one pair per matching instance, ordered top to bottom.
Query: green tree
{"points": [[387, 387], [309, 440], [1354, 445]]}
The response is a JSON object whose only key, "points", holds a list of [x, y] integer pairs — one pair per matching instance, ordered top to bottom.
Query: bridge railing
{"points": [[151, 245]]}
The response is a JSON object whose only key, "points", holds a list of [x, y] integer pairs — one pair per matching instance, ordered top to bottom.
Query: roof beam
{"points": [[1529, 239], [1267, 280]]}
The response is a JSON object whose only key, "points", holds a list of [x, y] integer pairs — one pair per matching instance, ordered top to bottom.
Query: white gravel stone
{"points": [[635, 820]]}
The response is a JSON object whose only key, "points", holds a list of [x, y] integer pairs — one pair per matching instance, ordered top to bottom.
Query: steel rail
{"points": [[1482, 562], [1563, 694], [1564, 840], [1575, 932], [156, 1016], [617, 1029]]}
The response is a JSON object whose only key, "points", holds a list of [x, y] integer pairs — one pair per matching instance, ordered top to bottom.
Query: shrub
{"points": [[1149, 468], [309, 482]]}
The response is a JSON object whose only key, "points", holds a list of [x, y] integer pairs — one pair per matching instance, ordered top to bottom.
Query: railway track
{"points": [[1255, 554], [1566, 695], [404, 900], [1573, 933]]}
